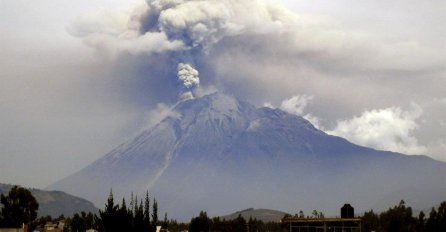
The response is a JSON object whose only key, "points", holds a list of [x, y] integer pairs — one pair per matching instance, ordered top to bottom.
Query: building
{"points": [[347, 223], [23, 229], [11, 230]]}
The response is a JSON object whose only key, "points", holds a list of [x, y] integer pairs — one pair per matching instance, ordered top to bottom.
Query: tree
{"points": [[19, 206], [147, 211], [155, 212], [124, 216], [398, 218], [107, 219], [138, 219], [437, 219], [370, 221], [421, 221], [165, 222], [77, 223], [200, 223], [238, 224]]}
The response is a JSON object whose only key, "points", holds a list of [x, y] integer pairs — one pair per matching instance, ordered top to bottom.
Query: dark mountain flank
{"points": [[219, 154]]}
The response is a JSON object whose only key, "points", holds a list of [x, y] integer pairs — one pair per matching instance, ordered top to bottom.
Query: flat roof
{"points": [[297, 219]]}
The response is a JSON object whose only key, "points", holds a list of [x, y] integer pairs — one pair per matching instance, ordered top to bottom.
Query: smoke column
{"points": [[188, 76]]}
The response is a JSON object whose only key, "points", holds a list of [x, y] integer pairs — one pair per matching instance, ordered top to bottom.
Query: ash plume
{"points": [[262, 51], [188, 76]]}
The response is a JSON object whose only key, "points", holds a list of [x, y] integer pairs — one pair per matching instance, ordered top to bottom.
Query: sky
{"points": [[80, 77]]}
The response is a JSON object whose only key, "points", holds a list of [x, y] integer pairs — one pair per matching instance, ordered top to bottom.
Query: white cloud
{"points": [[113, 32], [257, 50], [268, 105], [297, 105], [385, 129]]}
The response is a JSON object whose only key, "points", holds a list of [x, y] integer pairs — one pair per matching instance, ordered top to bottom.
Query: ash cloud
{"points": [[257, 50], [263, 52], [188, 76]]}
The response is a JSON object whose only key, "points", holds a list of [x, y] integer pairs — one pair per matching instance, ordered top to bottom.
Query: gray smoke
{"points": [[261, 51], [188, 76]]}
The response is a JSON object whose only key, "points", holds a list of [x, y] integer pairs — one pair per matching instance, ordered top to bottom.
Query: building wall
{"points": [[11, 230]]}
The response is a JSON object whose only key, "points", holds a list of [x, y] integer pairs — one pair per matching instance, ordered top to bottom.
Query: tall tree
{"points": [[132, 202], [19, 206], [135, 206], [147, 211], [155, 212], [441, 216], [124, 217], [398, 218], [108, 219], [138, 219], [437, 219], [370, 221], [165, 222], [421, 222], [200, 223], [238, 224]]}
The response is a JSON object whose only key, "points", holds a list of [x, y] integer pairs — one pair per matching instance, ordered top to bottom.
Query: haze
{"points": [[79, 77]]}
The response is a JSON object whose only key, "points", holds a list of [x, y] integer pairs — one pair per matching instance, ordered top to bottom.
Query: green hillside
{"points": [[55, 203]]}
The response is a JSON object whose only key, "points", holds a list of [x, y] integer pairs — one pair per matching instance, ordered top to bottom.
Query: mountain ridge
{"points": [[264, 215]]}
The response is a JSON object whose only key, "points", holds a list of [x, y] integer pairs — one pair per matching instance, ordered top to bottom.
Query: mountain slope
{"points": [[219, 154], [55, 203], [264, 215]]}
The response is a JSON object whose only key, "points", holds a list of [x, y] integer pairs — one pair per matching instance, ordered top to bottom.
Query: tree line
{"points": [[19, 206], [135, 217], [400, 218], [203, 223]]}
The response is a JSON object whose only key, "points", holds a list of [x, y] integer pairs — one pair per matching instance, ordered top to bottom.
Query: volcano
{"points": [[220, 154]]}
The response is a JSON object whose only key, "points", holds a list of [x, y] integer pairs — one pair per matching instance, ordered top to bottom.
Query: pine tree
{"points": [[132, 202], [123, 205], [135, 206], [147, 211], [154, 215], [108, 219], [138, 220], [165, 222]]}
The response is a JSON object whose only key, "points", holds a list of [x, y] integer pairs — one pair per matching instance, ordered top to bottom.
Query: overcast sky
{"points": [[80, 77]]}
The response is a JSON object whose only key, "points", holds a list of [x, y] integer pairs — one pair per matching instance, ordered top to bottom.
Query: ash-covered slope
{"points": [[220, 154]]}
